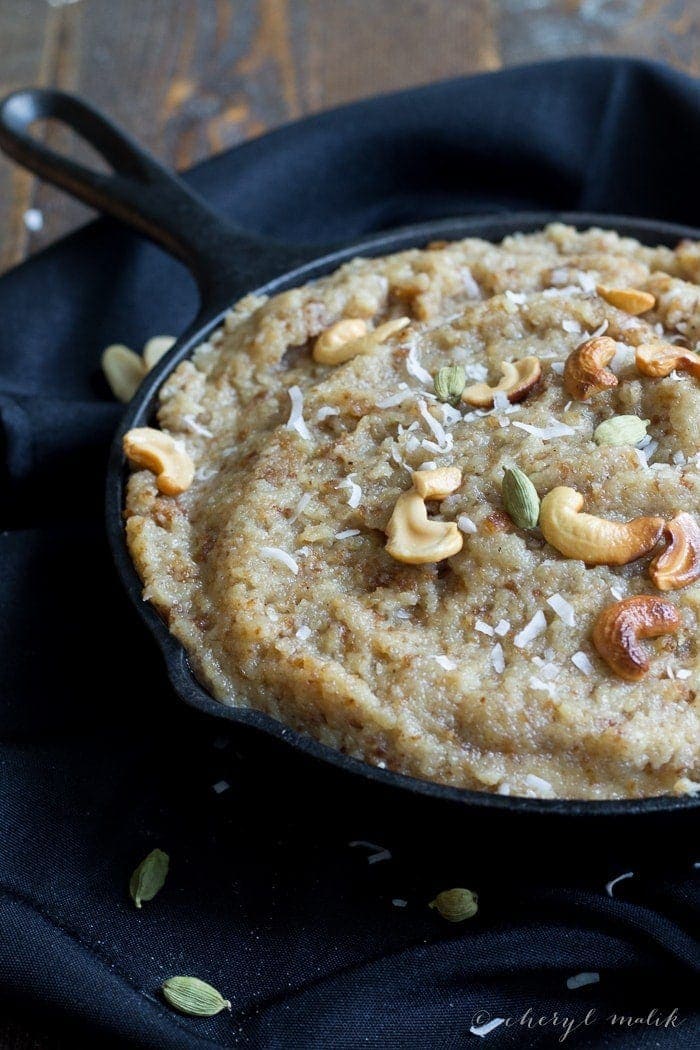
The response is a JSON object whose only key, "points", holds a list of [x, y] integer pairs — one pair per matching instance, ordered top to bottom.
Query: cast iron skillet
{"points": [[227, 262]]}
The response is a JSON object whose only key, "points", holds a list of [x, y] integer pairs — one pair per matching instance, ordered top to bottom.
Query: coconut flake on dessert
{"points": [[415, 368], [325, 412], [296, 416], [554, 430], [355, 490], [301, 506], [465, 524], [346, 534], [277, 554], [563, 609], [535, 627], [483, 628], [502, 628], [303, 633], [498, 659], [582, 661], [445, 662], [538, 783]]}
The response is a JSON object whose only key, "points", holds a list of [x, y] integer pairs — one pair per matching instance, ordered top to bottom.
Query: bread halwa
{"points": [[478, 663]]}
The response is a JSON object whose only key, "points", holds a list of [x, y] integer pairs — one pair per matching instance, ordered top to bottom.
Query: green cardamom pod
{"points": [[449, 382], [621, 430], [520, 498], [149, 877], [456, 905], [191, 996]]}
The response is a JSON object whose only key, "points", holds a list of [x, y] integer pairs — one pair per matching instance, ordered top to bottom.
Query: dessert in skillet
{"points": [[441, 510]]}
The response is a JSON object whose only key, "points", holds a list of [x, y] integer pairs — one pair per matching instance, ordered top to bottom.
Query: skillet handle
{"points": [[140, 192]]}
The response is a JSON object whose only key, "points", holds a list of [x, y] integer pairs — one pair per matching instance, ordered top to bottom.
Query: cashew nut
{"points": [[631, 300], [346, 339], [330, 346], [156, 348], [660, 359], [123, 370], [585, 372], [519, 379], [161, 454], [437, 484], [416, 540], [596, 541], [679, 563], [619, 627]]}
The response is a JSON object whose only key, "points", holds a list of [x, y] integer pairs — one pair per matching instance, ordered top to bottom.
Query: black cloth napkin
{"points": [[316, 942]]}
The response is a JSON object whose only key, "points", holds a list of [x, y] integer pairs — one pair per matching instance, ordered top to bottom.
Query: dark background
{"points": [[192, 78]]}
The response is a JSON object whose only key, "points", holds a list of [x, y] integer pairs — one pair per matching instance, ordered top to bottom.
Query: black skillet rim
{"points": [[182, 678]]}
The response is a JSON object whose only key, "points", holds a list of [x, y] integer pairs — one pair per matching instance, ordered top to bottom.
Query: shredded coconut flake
{"points": [[33, 220], [587, 282], [518, 298], [572, 326], [601, 329], [558, 367], [415, 368], [395, 399], [500, 401], [325, 411], [450, 415], [296, 417], [196, 427], [555, 430], [444, 440], [355, 491], [301, 506], [465, 524], [346, 534], [277, 554], [617, 593], [563, 609], [536, 626], [483, 628], [502, 628], [303, 633], [498, 659], [581, 660], [445, 662], [683, 673], [538, 783], [220, 786], [379, 852], [609, 886], [399, 902], [581, 979], [484, 1029]]}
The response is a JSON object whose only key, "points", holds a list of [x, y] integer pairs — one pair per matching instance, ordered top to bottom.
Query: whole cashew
{"points": [[660, 359], [585, 372], [519, 379], [160, 453], [416, 540], [596, 541], [679, 563], [619, 627]]}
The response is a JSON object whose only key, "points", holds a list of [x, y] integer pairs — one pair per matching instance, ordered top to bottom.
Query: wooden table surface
{"points": [[192, 77]]}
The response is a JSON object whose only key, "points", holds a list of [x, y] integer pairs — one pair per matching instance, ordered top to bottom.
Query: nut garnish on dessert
{"points": [[631, 300], [346, 339], [660, 359], [585, 372], [519, 379], [161, 454], [413, 537], [597, 541], [679, 564], [620, 627], [465, 661]]}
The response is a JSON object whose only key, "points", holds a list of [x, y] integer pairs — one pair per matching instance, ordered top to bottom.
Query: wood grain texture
{"points": [[193, 77]]}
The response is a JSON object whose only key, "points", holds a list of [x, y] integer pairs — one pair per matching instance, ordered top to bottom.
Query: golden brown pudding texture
{"points": [[479, 669]]}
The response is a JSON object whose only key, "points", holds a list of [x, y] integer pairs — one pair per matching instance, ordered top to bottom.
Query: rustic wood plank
{"points": [[191, 78]]}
